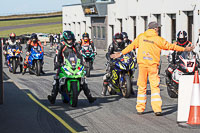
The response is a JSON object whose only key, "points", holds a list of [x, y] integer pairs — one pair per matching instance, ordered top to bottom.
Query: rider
{"points": [[126, 40], [182, 40], [86, 41], [10, 43], [31, 43], [116, 46], [66, 47]]}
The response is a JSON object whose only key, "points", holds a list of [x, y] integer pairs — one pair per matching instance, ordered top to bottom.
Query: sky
{"points": [[12, 7]]}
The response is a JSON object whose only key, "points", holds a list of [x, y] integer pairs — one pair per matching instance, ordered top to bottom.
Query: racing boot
{"points": [[24, 70], [105, 85], [105, 88], [54, 92], [88, 94]]}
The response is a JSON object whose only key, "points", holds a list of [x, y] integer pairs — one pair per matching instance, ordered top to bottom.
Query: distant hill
{"points": [[28, 16]]}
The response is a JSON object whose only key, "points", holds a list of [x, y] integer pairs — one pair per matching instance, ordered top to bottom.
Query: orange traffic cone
{"points": [[194, 116]]}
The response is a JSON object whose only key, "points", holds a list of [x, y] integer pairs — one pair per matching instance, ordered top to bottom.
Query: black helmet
{"points": [[68, 35], [85, 35], [125, 35], [118, 36], [182, 36], [34, 37]]}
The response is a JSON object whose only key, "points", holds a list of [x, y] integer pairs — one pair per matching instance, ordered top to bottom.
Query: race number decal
{"points": [[190, 64]]}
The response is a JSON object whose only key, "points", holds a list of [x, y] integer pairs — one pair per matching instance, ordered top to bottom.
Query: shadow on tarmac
{"points": [[20, 114]]}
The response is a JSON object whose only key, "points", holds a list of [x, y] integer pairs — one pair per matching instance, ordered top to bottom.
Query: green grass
{"points": [[30, 21], [55, 28]]}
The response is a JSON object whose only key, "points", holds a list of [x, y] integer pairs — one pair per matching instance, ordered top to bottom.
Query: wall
{"points": [[126, 9], [73, 15]]}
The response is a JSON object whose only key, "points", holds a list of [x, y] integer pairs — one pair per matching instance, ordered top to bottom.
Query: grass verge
{"points": [[30, 21], [55, 28]]}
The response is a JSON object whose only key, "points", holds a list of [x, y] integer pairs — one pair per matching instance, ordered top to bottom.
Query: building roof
{"points": [[71, 5]]}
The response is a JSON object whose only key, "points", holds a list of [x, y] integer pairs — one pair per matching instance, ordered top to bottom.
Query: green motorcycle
{"points": [[71, 77]]}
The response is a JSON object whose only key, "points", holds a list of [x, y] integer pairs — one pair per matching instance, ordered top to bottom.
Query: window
{"points": [[158, 17], [173, 21], [145, 23], [120, 24], [190, 25], [134, 26], [94, 31], [99, 32], [103, 32]]}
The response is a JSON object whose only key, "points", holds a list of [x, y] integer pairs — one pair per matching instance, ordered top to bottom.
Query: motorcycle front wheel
{"points": [[14, 65], [38, 67], [88, 69], [126, 86], [171, 93], [74, 94]]}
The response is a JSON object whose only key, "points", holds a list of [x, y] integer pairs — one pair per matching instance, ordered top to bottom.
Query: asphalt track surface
{"points": [[26, 26], [109, 114]]}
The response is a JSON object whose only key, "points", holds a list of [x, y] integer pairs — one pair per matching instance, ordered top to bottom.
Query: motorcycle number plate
{"points": [[126, 59], [73, 63], [190, 64]]}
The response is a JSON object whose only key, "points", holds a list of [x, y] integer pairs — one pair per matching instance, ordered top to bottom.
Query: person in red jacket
{"points": [[87, 41], [31, 43]]}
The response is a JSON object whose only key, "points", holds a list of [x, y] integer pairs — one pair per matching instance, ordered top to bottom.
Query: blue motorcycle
{"points": [[14, 59], [35, 60], [122, 69]]}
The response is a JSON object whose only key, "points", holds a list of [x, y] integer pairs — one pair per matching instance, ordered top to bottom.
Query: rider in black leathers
{"points": [[182, 40], [116, 46], [66, 47]]}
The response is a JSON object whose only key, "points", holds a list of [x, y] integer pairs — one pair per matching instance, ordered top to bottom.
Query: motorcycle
{"points": [[89, 57], [14, 59], [35, 60], [186, 64], [123, 69], [71, 77]]}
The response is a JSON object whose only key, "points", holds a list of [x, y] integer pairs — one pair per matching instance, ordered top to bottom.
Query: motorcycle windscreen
{"points": [[12, 49], [37, 49], [86, 49], [188, 55], [72, 58], [126, 59]]}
